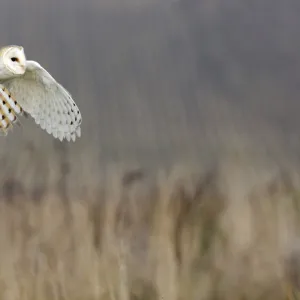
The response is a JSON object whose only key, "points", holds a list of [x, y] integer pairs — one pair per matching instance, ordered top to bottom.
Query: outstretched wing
{"points": [[47, 101]]}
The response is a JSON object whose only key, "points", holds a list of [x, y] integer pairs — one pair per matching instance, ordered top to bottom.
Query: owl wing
{"points": [[47, 101]]}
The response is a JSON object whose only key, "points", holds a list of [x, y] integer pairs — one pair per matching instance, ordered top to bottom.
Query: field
{"points": [[185, 183], [230, 231]]}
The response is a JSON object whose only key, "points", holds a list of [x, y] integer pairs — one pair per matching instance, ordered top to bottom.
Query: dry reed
{"points": [[230, 232]]}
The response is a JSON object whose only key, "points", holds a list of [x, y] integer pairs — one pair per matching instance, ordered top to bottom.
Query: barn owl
{"points": [[27, 88]]}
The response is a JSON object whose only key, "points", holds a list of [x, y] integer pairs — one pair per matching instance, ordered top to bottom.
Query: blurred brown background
{"points": [[158, 82]]}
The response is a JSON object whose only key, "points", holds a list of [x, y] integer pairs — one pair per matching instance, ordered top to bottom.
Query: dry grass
{"points": [[227, 233]]}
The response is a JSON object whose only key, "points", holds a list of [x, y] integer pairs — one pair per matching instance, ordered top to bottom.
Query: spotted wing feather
{"points": [[9, 109]]}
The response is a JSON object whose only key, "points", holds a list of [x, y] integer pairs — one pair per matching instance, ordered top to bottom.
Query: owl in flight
{"points": [[26, 88]]}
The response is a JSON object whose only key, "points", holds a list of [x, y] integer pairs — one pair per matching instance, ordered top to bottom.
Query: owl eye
{"points": [[14, 59]]}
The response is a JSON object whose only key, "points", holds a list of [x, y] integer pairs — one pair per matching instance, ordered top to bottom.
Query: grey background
{"points": [[158, 82]]}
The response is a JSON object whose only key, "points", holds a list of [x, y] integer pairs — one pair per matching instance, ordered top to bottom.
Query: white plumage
{"points": [[26, 86]]}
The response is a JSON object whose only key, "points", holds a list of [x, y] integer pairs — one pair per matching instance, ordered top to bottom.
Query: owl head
{"points": [[12, 62]]}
